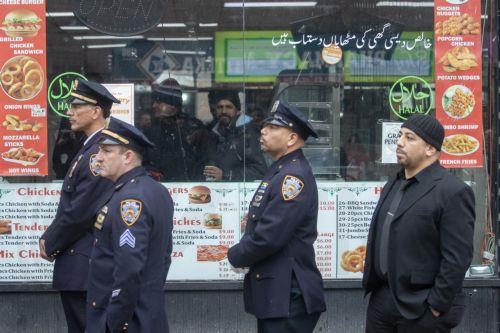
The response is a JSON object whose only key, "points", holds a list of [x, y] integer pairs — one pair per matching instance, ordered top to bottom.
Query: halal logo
{"points": [[59, 91], [409, 95]]}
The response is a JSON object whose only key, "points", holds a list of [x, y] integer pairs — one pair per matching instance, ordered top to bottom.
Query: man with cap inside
{"points": [[173, 156], [238, 156], [420, 239], [68, 240], [133, 240], [283, 287]]}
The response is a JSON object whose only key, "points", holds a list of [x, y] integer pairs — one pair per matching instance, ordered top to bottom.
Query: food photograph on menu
{"points": [[21, 23], [22, 78], [458, 101], [460, 144], [22, 156], [199, 195]]}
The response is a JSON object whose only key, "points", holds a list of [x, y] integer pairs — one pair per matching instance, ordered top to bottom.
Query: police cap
{"points": [[88, 92], [286, 115], [119, 132]]}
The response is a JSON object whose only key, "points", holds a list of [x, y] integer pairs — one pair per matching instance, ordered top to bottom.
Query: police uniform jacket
{"points": [[69, 238], [278, 240], [131, 257]]}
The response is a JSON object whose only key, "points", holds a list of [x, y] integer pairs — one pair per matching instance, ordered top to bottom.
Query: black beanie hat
{"points": [[169, 92], [230, 95], [426, 127]]}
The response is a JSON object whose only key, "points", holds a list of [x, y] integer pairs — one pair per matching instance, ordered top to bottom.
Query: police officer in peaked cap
{"points": [[68, 240], [133, 240], [283, 287]]}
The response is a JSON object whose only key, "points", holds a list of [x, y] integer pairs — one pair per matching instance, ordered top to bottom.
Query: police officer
{"points": [[69, 239], [133, 241], [283, 287]]}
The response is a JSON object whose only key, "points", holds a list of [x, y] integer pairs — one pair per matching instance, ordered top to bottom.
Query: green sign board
{"points": [[251, 57], [388, 65], [59, 92], [409, 95]]}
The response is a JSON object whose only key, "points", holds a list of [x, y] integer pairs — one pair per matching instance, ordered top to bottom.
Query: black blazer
{"points": [[431, 243]]}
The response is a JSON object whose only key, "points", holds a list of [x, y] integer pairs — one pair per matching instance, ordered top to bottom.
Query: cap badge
{"points": [[275, 106]]}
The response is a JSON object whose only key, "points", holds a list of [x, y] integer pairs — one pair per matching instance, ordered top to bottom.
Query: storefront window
{"points": [[357, 69]]}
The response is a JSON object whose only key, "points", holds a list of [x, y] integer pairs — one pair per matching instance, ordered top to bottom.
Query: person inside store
{"points": [[213, 98], [145, 121], [67, 145], [238, 156], [173, 157], [356, 159], [133, 239], [68, 240], [420, 242], [283, 287]]}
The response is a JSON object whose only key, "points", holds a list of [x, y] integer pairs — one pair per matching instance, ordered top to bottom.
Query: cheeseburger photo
{"points": [[21, 23], [199, 195], [212, 221]]}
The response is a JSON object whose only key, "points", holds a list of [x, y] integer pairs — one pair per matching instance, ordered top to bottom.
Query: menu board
{"points": [[458, 65], [23, 101], [26, 211], [207, 221]]}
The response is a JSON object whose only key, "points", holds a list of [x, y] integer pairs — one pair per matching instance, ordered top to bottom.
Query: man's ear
{"points": [[97, 112], [292, 139], [430, 150]]}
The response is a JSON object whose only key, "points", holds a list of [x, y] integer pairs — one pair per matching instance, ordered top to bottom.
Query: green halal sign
{"points": [[59, 92], [409, 95]]}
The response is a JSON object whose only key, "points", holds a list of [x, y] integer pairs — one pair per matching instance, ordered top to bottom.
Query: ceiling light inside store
{"points": [[270, 4], [405, 4], [60, 14], [171, 25], [206, 25], [73, 27], [107, 37], [179, 39], [105, 46], [184, 52]]}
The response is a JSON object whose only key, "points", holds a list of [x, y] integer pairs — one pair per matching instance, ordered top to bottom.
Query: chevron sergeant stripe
{"points": [[127, 239]]}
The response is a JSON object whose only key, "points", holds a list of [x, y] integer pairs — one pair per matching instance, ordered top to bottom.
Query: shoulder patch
{"points": [[94, 166], [291, 187], [130, 211]]}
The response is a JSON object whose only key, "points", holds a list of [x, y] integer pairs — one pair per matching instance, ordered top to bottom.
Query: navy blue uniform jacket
{"points": [[69, 238], [278, 240], [131, 257]]}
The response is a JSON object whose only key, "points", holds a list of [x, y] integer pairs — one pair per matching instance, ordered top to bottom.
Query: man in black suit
{"points": [[421, 239], [283, 287]]}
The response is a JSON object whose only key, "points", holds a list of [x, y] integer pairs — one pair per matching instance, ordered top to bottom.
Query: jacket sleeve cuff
{"points": [[438, 305]]}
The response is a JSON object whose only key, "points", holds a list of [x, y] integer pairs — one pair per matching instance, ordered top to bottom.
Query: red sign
{"points": [[459, 81], [23, 100]]}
